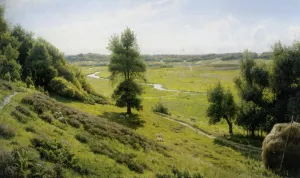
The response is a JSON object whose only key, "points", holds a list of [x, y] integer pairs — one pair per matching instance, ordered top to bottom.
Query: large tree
{"points": [[26, 40], [9, 67], [127, 68], [285, 81], [252, 86], [222, 106]]}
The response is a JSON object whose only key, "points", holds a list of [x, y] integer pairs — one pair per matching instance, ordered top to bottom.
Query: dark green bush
{"points": [[159, 107], [24, 110], [20, 117], [47, 117], [74, 123], [30, 129], [6, 132], [83, 138], [53, 151], [7, 168], [178, 174]]}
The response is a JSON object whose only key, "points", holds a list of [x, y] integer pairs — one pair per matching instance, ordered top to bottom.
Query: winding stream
{"points": [[155, 85]]}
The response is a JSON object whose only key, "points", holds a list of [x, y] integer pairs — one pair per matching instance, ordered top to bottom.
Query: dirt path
{"points": [[7, 100], [224, 140]]}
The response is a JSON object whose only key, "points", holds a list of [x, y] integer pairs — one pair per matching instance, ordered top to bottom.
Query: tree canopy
{"points": [[127, 68], [221, 106]]}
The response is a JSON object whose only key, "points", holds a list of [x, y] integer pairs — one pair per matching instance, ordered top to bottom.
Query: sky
{"points": [[161, 26]]}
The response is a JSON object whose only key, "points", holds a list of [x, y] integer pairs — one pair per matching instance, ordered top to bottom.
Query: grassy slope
{"points": [[189, 150]]}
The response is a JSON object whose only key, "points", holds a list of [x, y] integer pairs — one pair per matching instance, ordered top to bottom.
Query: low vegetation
{"points": [[159, 107]]}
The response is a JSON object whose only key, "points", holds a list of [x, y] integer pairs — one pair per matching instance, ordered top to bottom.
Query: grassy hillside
{"points": [[101, 141]]}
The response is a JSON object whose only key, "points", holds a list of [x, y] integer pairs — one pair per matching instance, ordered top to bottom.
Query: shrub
{"points": [[29, 82], [65, 88], [159, 107], [24, 110], [20, 117], [47, 117], [74, 123], [30, 129], [6, 132], [83, 138], [53, 151], [122, 158], [7, 168]]}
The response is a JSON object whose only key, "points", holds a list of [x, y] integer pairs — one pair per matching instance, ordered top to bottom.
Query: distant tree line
{"points": [[93, 58], [38, 63], [269, 94]]}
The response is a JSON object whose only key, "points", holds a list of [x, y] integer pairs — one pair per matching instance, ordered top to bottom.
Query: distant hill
{"points": [[102, 59]]}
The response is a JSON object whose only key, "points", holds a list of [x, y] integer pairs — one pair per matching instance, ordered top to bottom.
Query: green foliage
{"points": [[26, 40], [8, 51], [126, 65], [285, 80], [29, 82], [252, 86], [62, 87], [126, 94], [222, 105], [159, 107], [20, 116], [47, 117], [74, 123], [30, 129], [6, 132], [83, 138], [53, 151], [122, 158], [22, 162], [179, 174]]}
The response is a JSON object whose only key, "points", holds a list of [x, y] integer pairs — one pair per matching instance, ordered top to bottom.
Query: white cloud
{"points": [[160, 26]]}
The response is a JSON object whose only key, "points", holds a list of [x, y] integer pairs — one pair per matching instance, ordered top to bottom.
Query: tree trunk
{"points": [[128, 108], [229, 125], [252, 131]]}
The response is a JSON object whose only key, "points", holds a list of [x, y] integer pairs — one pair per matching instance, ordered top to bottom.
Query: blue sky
{"points": [[162, 26]]}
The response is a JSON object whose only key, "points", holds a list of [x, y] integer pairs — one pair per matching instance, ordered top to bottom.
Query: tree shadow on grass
{"points": [[132, 121], [248, 151]]}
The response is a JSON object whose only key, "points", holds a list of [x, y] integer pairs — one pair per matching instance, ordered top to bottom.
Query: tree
{"points": [[26, 40], [8, 51], [127, 68], [285, 81], [252, 86], [222, 106]]}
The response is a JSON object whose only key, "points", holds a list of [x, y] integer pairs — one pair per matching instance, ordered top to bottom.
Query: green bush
{"points": [[29, 82], [65, 88], [159, 107], [23, 110], [19, 116], [47, 117], [74, 123], [30, 129], [6, 132], [83, 138], [53, 151], [122, 158], [22, 162]]}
